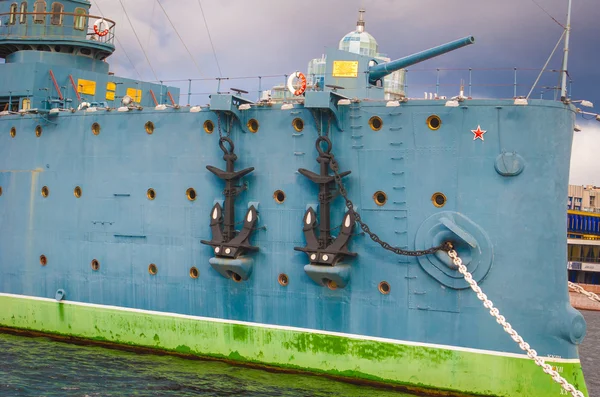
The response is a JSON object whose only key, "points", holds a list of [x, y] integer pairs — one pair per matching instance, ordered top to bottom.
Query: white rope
{"points": [[581, 290], [532, 354]]}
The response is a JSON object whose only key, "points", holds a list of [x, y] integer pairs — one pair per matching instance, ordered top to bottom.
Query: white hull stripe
{"points": [[294, 329]]}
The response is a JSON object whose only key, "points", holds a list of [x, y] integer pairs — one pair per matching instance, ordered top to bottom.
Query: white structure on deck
{"points": [[359, 41]]}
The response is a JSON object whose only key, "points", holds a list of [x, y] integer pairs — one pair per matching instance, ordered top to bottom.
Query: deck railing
{"points": [[53, 25], [484, 83], [497, 83]]}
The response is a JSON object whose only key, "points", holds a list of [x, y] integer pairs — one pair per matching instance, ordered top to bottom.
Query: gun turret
{"points": [[378, 72]]}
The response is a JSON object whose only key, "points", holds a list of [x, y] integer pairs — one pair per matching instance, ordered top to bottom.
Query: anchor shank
{"points": [[324, 202], [229, 221]]}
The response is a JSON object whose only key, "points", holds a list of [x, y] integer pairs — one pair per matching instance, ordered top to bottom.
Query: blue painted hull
{"points": [[115, 223]]}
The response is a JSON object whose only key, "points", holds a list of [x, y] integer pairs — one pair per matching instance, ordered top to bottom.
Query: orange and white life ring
{"points": [[101, 27], [301, 81]]}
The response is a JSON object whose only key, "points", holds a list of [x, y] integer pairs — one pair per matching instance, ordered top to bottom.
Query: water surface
{"points": [[37, 366]]}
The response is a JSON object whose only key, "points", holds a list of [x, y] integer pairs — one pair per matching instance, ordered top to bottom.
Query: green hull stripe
{"points": [[410, 365]]}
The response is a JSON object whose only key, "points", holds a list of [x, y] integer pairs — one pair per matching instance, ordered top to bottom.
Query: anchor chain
{"points": [[228, 131], [398, 251], [578, 288], [500, 319]]}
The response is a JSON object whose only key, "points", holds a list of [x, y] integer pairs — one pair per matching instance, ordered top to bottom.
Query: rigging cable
{"points": [[547, 13], [150, 29], [178, 35], [138, 39], [210, 39], [120, 45], [546, 64]]}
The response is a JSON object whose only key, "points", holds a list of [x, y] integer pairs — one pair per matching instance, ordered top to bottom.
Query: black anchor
{"points": [[225, 241], [325, 249]]}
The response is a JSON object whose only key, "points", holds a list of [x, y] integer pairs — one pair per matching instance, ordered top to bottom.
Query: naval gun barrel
{"points": [[380, 71]]}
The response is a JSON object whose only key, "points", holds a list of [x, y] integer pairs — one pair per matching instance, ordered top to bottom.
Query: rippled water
{"points": [[33, 367], [42, 367]]}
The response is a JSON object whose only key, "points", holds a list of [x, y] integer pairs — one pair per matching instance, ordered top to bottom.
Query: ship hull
{"points": [[504, 196], [448, 370]]}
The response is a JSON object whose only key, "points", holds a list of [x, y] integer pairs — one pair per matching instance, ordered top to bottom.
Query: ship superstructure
{"points": [[237, 230]]}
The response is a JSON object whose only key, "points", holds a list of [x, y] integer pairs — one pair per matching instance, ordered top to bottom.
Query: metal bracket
{"points": [[325, 101], [230, 104]]}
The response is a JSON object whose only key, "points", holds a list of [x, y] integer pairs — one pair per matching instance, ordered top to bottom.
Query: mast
{"points": [[360, 24], [563, 89]]}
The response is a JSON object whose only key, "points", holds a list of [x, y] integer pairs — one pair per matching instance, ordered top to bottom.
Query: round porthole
{"points": [[434, 122], [375, 123], [298, 124], [253, 125], [149, 127], [209, 127], [95, 128], [38, 131], [13, 132], [45, 191], [77, 191], [151, 194], [191, 194], [279, 196], [380, 198], [438, 199], [43, 260], [95, 265], [152, 269], [194, 273], [236, 277], [283, 279], [384, 287]]}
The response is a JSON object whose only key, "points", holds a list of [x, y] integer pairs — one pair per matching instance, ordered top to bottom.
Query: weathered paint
{"points": [[451, 341], [374, 360]]}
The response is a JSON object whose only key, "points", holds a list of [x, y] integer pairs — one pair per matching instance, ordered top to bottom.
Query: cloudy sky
{"points": [[274, 37]]}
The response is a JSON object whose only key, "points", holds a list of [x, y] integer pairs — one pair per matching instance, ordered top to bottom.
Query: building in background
{"points": [[584, 198], [583, 234]]}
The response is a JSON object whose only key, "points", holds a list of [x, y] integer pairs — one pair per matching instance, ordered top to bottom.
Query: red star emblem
{"points": [[478, 133]]}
